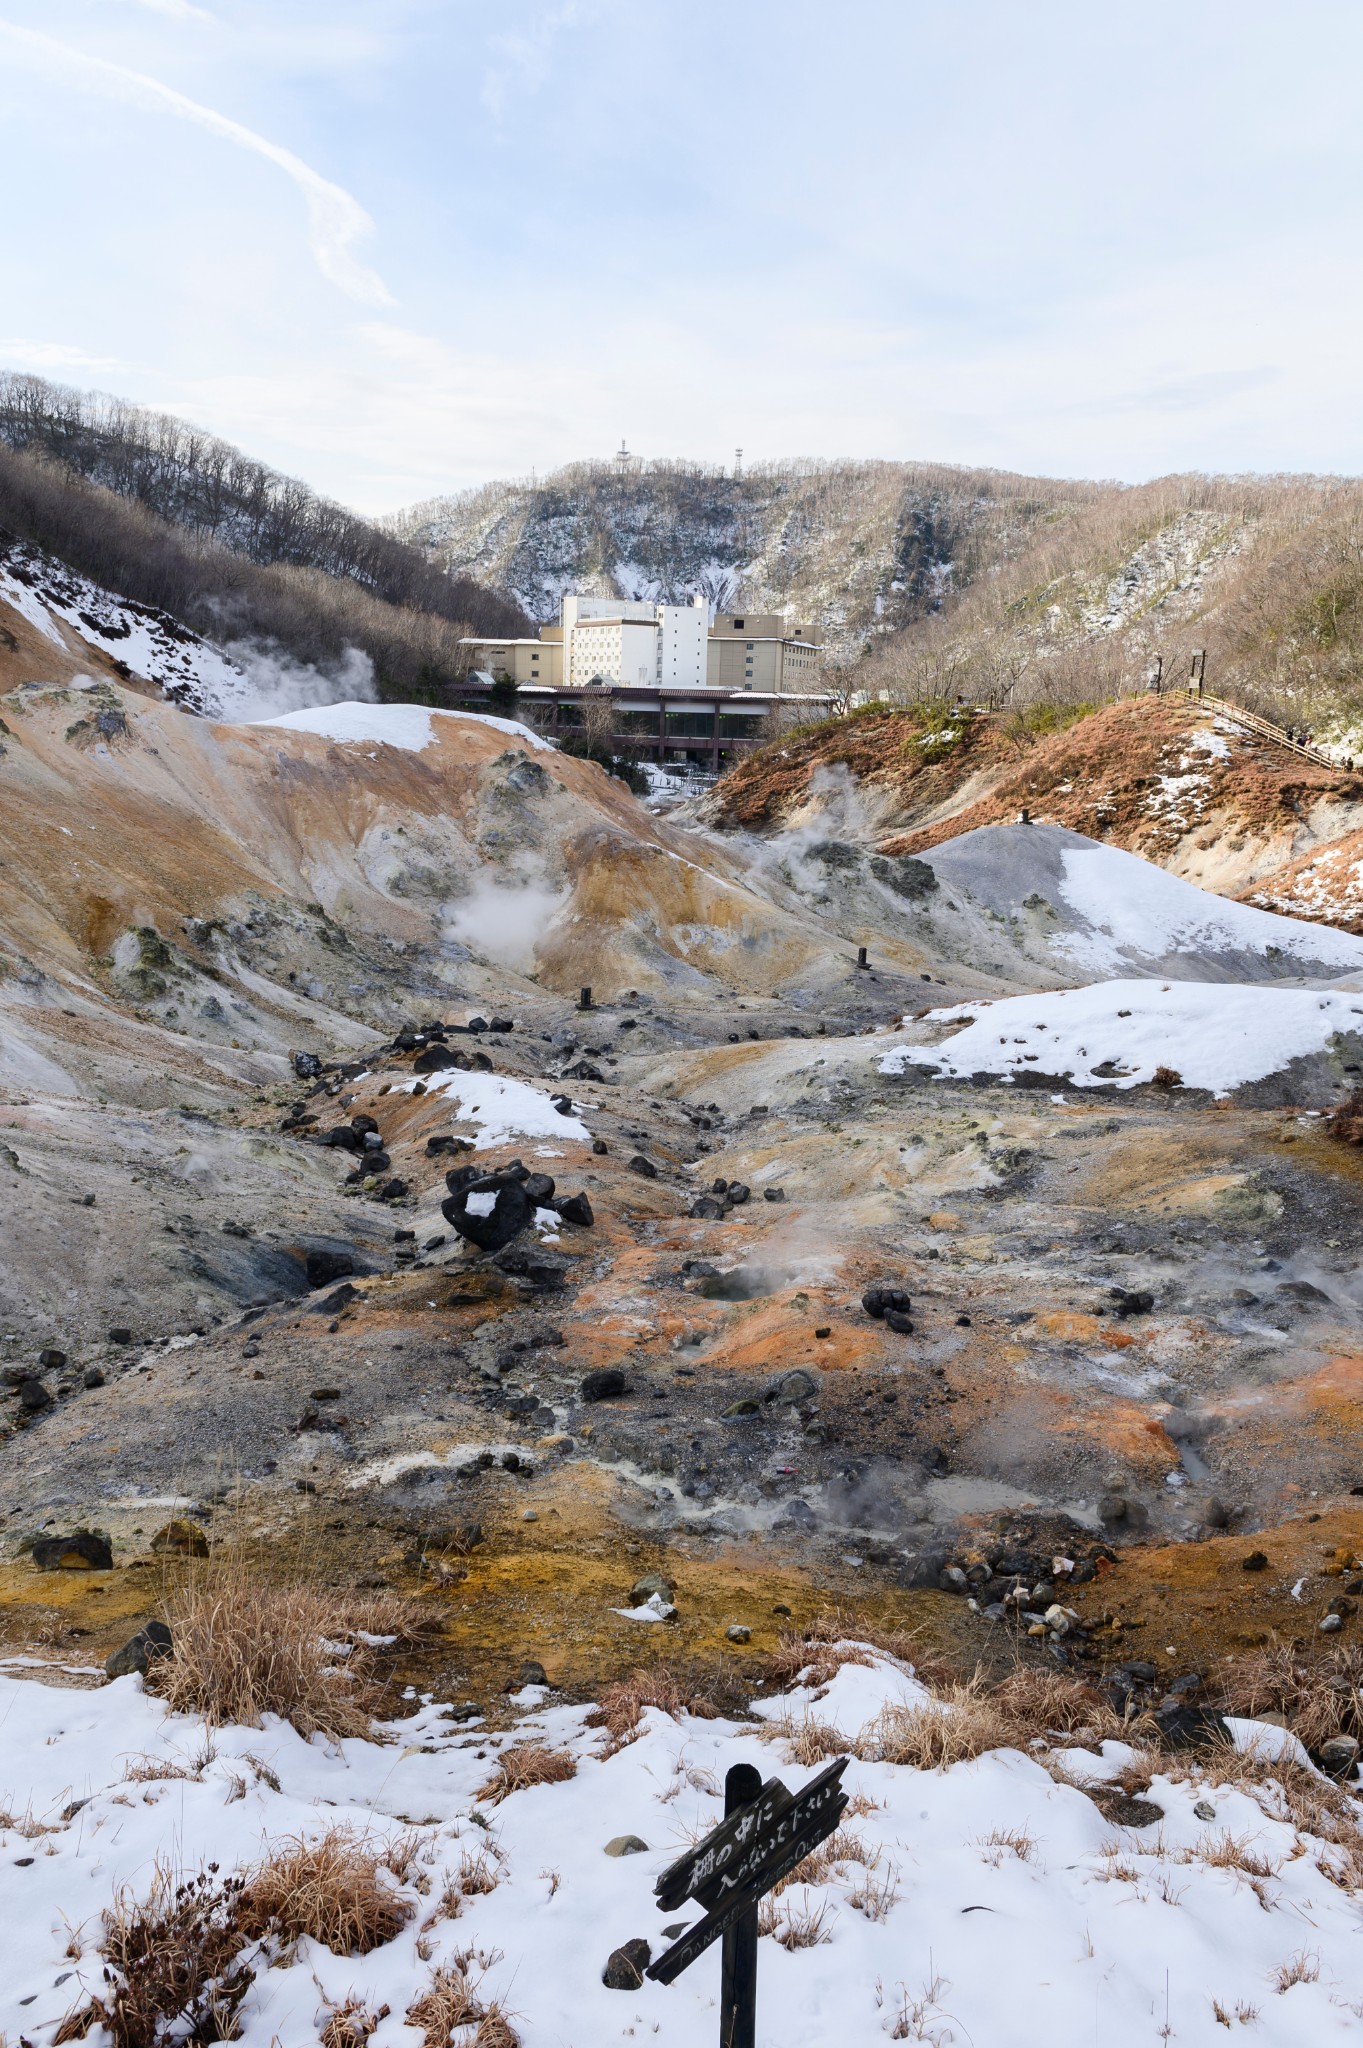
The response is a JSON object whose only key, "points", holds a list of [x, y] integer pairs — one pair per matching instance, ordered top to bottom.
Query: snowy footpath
{"points": [[990, 1904]]}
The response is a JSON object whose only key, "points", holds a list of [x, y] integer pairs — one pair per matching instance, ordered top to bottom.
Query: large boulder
{"points": [[490, 1211], [85, 1550]]}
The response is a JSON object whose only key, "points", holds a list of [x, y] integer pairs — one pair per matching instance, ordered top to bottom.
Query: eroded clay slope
{"points": [[1157, 776]]}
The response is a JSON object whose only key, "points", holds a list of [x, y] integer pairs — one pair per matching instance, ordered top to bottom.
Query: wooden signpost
{"points": [[766, 1831]]}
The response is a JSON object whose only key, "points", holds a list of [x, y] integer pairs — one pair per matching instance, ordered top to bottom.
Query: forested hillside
{"points": [[158, 512], [851, 550], [1264, 574], [930, 581]]}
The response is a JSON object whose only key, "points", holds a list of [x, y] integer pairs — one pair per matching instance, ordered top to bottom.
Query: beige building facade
{"points": [[664, 646], [759, 651]]}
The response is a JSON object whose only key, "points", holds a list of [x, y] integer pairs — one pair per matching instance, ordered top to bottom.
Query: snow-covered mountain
{"points": [[848, 549]]}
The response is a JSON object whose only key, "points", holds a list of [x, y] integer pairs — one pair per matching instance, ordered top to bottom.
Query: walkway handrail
{"points": [[1264, 729]]}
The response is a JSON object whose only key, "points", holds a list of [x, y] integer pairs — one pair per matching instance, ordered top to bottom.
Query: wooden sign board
{"points": [[767, 1831]]}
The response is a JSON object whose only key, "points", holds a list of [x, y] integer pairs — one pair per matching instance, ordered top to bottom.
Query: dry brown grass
{"points": [[392, 1617], [243, 1650], [811, 1662], [672, 1689], [1318, 1694], [1046, 1703], [961, 1723], [807, 1741], [524, 1764], [152, 1770], [1285, 1791], [1011, 1841], [1230, 1852], [479, 1872], [336, 1889], [874, 1894], [795, 1923], [173, 1965], [1303, 1968], [451, 2000], [351, 2024]]}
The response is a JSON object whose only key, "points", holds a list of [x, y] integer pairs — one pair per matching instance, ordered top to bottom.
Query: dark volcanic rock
{"points": [[432, 1059], [575, 1209], [508, 1215], [324, 1267], [546, 1272], [876, 1301], [334, 1302], [604, 1385], [85, 1550], [140, 1651], [625, 1965]]}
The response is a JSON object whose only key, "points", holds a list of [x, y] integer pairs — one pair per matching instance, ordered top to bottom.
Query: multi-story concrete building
{"points": [[612, 640], [759, 651], [664, 688]]}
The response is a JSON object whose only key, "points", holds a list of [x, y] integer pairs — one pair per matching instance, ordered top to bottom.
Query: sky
{"points": [[402, 247]]}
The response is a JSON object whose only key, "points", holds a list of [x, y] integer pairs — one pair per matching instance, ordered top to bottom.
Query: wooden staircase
{"points": [[1262, 728]]}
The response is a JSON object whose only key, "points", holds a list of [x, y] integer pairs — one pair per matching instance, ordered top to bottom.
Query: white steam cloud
{"points": [[273, 682], [504, 920]]}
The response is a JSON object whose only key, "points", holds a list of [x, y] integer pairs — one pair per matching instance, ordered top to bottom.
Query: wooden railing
{"points": [[1261, 727]]}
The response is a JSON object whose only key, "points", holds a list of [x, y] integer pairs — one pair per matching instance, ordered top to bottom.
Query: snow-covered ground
{"points": [[409, 726], [1131, 906], [1090, 910], [1215, 1035], [501, 1108], [988, 1905]]}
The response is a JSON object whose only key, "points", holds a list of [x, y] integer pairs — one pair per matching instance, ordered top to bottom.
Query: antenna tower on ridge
{"points": [[623, 458], [738, 462]]}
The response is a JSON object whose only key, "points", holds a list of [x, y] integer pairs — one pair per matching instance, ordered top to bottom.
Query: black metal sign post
{"points": [[765, 1833], [738, 1956]]}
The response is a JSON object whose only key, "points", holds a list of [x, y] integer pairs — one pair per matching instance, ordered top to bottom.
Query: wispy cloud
{"points": [[178, 10], [521, 57], [336, 221], [57, 355]]}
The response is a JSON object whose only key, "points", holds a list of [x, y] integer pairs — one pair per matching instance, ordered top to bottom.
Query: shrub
{"points": [[1345, 1121], [243, 1650], [674, 1689], [1319, 1695], [961, 1724], [525, 1764], [337, 1889], [172, 1962], [452, 2000], [351, 2024]]}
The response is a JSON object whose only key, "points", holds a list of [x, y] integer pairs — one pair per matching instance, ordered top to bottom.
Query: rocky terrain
{"points": [[329, 1204]]}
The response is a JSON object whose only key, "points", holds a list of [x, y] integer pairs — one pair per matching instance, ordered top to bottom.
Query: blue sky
{"points": [[401, 247]]}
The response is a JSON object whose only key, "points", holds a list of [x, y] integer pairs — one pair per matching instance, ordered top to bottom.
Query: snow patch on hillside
{"points": [[151, 643], [409, 726], [1131, 906], [1217, 1035], [502, 1108]]}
